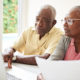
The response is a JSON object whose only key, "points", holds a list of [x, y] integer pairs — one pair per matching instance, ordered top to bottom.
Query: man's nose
{"points": [[40, 23]]}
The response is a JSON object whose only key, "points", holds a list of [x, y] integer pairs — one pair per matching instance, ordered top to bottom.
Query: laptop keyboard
{"points": [[11, 77]]}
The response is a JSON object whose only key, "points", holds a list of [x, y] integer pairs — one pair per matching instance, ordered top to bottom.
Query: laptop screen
{"points": [[59, 70]]}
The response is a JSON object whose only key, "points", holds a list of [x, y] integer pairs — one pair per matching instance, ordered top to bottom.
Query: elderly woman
{"points": [[69, 45]]}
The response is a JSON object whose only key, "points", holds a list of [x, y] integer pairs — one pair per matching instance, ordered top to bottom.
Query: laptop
{"points": [[59, 70]]}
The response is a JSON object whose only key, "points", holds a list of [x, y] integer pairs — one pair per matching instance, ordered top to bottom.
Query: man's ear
{"points": [[54, 22]]}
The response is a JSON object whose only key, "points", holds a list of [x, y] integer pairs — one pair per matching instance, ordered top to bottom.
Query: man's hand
{"points": [[8, 55], [45, 56], [40, 77]]}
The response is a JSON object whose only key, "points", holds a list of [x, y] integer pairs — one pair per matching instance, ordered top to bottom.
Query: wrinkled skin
{"points": [[44, 22]]}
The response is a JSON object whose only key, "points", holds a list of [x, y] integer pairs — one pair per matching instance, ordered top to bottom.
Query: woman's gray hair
{"points": [[76, 8]]}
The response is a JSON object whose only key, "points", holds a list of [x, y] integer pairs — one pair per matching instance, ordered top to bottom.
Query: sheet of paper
{"points": [[21, 73]]}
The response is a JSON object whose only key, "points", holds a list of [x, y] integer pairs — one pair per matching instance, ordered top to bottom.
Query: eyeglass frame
{"points": [[69, 21]]}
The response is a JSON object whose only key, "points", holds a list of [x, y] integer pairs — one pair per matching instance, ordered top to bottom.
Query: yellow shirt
{"points": [[29, 43]]}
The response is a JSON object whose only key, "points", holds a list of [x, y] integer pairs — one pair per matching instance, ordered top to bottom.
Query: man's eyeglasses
{"points": [[70, 21]]}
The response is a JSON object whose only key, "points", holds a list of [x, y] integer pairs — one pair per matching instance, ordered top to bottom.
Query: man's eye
{"points": [[48, 21]]}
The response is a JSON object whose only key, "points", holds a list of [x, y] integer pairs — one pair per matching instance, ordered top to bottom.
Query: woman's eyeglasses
{"points": [[69, 21]]}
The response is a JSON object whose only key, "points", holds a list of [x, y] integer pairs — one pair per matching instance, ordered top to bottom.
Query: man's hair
{"points": [[52, 9]]}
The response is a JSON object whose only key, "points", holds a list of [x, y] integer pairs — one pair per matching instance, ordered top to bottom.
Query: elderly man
{"points": [[40, 40], [69, 46]]}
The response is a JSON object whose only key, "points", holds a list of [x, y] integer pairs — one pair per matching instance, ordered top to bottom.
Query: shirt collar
{"points": [[52, 29], [72, 41]]}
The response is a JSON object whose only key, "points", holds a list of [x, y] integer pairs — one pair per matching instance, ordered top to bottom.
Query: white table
{"points": [[31, 71]]}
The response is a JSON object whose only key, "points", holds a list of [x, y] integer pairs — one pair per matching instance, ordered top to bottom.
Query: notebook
{"points": [[59, 70], [17, 73]]}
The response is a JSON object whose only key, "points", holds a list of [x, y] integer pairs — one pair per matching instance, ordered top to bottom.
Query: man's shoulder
{"points": [[30, 29], [55, 29]]}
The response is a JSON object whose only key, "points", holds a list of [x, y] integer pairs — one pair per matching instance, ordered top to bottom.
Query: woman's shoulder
{"points": [[66, 38]]}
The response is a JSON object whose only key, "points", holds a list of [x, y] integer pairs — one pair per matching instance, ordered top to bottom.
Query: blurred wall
{"points": [[61, 6]]}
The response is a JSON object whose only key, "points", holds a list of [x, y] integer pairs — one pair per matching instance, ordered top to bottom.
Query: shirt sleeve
{"points": [[53, 43], [19, 44], [59, 52]]}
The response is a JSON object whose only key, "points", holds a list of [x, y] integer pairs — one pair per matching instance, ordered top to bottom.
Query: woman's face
{"points": [[72, 24]]}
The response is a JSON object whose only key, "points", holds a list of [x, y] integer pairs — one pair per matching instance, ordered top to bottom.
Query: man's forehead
{"points": [[45, 13], [43, 17]]}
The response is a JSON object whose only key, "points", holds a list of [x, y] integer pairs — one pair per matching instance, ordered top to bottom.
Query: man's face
{"points": [[44, 22], [72, 24]]}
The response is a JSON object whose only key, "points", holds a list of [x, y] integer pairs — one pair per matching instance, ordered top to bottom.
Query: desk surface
{"points": [[32, 70]]}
